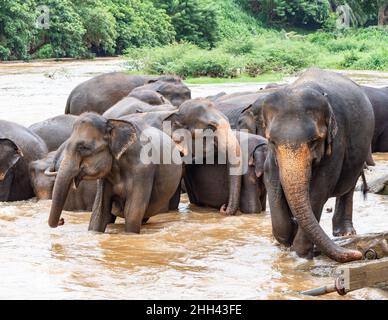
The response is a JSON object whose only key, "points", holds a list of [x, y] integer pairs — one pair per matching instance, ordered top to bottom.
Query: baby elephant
{"points": [[138, 170], [206, 184], [79, 199]]}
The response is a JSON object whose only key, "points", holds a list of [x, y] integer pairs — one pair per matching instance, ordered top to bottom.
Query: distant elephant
{"points": [[175, 92], [100, 93], [149, 96], [379, 99], [130, 105], [238, 109], [195, 115], [54, 131], [319, 131], [18, 147], [111, 151], [204, 182], [79, 199]]}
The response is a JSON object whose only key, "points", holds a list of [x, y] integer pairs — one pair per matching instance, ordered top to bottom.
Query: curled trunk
{"points": [[295, 176]]}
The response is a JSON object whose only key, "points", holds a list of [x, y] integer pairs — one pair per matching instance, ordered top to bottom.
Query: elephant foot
{"points": [[224, 210], [61, 222], [344, 229]]}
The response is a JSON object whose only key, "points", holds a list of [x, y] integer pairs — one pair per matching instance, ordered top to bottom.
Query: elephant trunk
{"points": [[229, 145], [67, 172], [295, 175]]}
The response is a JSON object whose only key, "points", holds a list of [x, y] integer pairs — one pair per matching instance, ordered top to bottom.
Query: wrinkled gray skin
{"points": [[175, 92], [100, 93], [149, 96], [379, 99], [130, 105], [238, 109], [201, 114], [54, 131], [319, 131], [18, 147], [109, 151], [204, 182], [79, 199]]}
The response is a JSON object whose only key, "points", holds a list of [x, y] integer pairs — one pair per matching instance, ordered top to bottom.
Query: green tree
{"points": [[307, 13], [17, 20], [195, 21], [139, 24], [100, 25], [65, 32]]}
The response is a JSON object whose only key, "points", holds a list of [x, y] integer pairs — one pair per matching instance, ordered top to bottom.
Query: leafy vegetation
{"points": [[200, 38], [272, 51]]}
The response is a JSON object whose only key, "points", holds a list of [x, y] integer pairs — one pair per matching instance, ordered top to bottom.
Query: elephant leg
{"points": [[382, 142], [250, 193], [263, 199], [174, 201], [137, 202], [102, 207], [343, 215], [283, 225]]}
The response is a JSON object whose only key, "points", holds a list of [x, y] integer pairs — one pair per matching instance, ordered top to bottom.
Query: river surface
{"points": [[191, 254]]}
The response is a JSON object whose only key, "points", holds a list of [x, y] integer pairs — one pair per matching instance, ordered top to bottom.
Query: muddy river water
{"points": [[191, 254]]}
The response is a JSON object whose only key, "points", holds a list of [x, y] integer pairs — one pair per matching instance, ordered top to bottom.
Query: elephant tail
{"points": [[67, 108], [365, 187]]}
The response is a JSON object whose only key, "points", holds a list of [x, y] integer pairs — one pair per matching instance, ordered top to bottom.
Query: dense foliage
{"points": [[86, 28], [269, 52]]}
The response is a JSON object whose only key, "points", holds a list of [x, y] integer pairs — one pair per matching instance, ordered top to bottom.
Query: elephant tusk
{"points": [[50, 173]]}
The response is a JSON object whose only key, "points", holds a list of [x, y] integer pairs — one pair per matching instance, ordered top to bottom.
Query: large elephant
{"points": [[100, 93], [379, 99], [130, 105], [192, 117], [54, 131], [319, 131], [18, 147], [114, 152], [42, 180], [204, 181]]}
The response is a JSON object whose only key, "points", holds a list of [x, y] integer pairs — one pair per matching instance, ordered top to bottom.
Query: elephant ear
{"points": [[332, 129], [122, 135], [13, 158], [257, 159]]}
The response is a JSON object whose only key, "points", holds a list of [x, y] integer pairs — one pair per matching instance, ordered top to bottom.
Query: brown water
{"points": [[193, 254]]}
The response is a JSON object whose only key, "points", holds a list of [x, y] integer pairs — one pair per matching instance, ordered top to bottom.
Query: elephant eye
{"points": [[84, 149]]}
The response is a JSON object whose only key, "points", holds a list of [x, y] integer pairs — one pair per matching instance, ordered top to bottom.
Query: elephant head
{"points": [[175, 91], [149, 96], [199, 116], [301, 129], [10, 154], [89, 154], [42, 183]]}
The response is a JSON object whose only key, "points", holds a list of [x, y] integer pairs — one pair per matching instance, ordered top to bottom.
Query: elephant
{"points": [[175, 92], [100, 93], [149, 96], [379, 99], [130, 105], [238, 109], [197, 114], [54, 131], [319, 131], [18, 147], [114, 152], [203, 181], [79, 199]]}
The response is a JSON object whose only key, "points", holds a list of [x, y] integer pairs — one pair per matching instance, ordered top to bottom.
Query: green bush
{"points": [[44, 52], [377, 60]]}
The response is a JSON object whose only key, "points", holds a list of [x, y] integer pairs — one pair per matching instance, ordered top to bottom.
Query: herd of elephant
{"points": [[307, 141]]}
